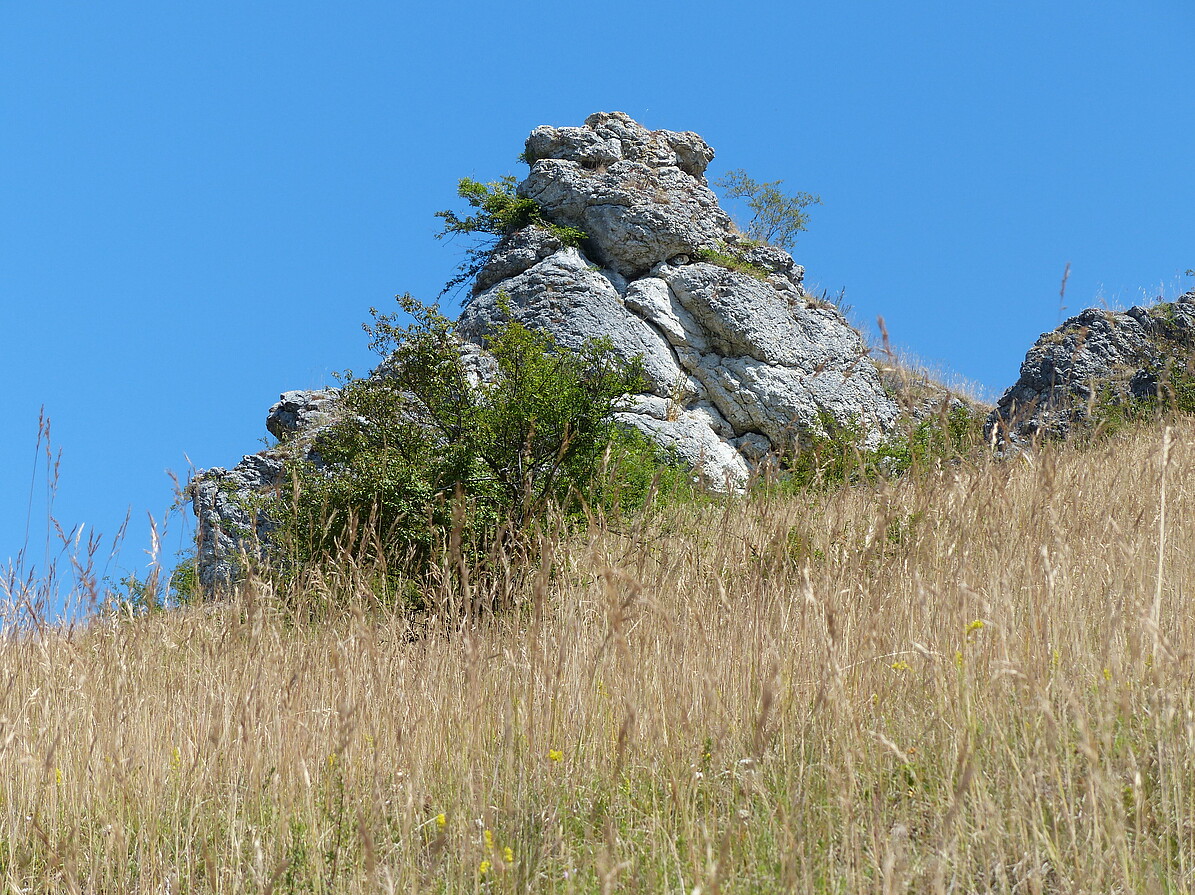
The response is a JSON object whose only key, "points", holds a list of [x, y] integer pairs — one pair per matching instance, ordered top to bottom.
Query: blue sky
{"points": [[200, 202]]}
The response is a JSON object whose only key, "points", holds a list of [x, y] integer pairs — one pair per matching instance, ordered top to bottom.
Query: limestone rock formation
{"points": [[1094, 358], [741, 362], [301, 411], [226, 503]]}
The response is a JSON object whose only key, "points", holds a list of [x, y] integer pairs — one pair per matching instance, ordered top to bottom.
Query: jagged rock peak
{"points": [[609, 137], [640, 196], [1096, 357]]}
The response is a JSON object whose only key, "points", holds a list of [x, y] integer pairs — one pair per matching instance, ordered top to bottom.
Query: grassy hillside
{"points": [[974, 680]]}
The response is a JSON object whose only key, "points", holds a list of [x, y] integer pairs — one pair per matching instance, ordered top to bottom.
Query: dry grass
{"points": [[950, 684]]}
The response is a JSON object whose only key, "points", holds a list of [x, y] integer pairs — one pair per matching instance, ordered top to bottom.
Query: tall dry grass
{"points": [[976, 680]]}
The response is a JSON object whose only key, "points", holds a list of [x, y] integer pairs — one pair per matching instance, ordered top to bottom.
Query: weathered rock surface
{"points": [[639, 195], [516, 253], [567, 296], [736, 353], [1094, 357], [300, 411], [226, 503], [232, 517]]}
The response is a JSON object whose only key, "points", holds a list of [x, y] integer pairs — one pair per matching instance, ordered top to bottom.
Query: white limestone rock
{"points": [[639, 195], [516, 253], [576, 302], [734, 359], [299, 411], [689, 434], [233, 525]]}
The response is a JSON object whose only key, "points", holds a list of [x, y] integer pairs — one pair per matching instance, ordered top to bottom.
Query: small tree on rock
{"points": [[779, 217]]}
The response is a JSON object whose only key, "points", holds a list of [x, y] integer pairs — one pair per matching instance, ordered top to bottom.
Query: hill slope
{"points": [[974, 680]]}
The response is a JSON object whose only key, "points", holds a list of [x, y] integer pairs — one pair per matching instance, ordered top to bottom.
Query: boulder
{"points": [[639, 195], [514, 254], [568, 296], [301, 411]]}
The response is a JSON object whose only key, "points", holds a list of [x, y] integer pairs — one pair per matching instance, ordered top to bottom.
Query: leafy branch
{"points": [[500, 211]]}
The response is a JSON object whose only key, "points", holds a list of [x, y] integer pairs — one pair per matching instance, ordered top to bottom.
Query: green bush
{"points": [[499, 210], [722, 257], [1113, 409], [425, 462]]}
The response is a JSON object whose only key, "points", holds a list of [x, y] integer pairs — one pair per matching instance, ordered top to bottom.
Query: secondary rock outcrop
{"points": [[1094, 360], [741, 362]]}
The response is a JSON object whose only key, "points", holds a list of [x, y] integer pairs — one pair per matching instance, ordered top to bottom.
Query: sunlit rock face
{"points": [[739, 363]]}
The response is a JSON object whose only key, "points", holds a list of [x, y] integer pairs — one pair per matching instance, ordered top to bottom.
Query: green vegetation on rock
{"points": [[499, 210], [724, 257], [838, 456], [430, 461]]}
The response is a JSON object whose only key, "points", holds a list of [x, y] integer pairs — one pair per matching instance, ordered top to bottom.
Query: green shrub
{"points": [[499, 210], [722, 257], [1112, 410], [837, 456], [425, 462]]}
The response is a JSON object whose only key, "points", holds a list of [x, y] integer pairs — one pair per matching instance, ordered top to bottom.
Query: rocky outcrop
{"points": [[740, 360], [1093, 360], [301, 411], [232, 516]]}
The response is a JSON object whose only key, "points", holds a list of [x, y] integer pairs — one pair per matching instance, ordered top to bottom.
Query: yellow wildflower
{"points": [[555, 755], [441, 820], [489, 839], [508, 855], [484, 868]]}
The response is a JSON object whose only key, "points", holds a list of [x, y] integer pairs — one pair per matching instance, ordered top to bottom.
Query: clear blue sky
{"points": [[200, 201]]}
